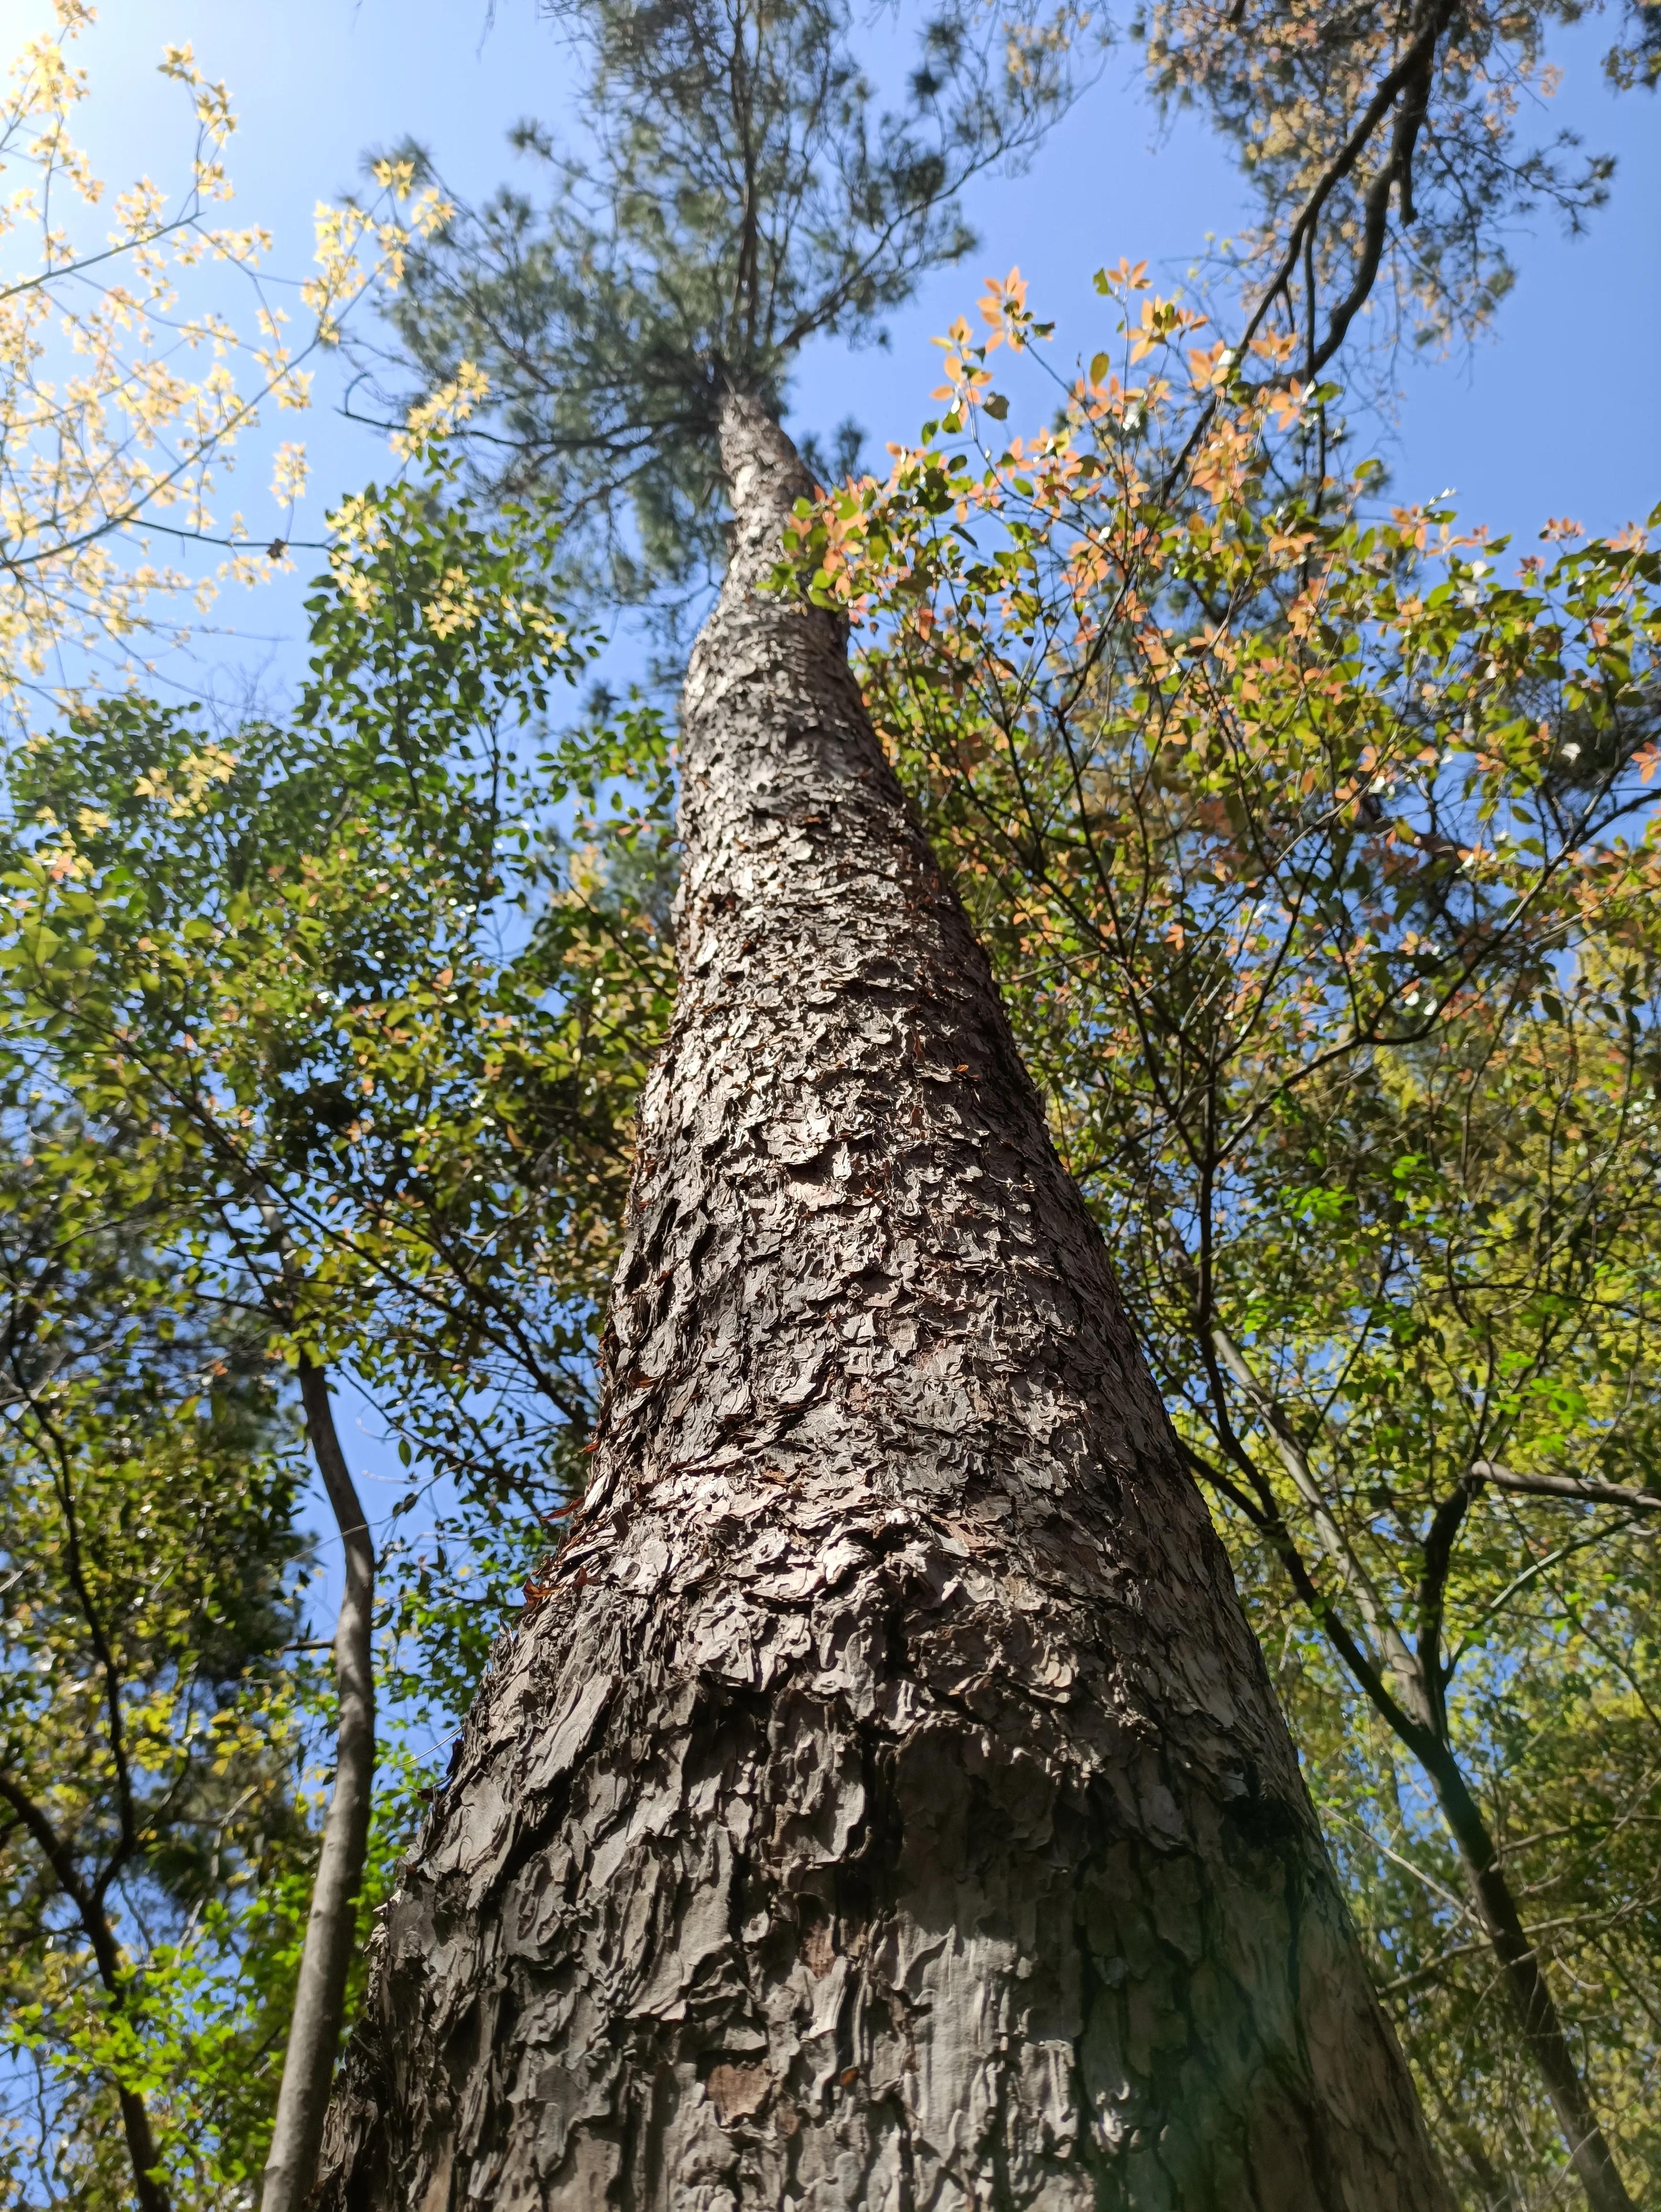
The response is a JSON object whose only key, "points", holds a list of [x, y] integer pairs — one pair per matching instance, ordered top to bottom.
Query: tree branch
{"points": [[1574, 1486]]}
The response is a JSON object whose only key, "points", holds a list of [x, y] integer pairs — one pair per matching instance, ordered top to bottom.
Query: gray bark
{"points": [[1568, 1485], [883, 1803], [331, 1925]]}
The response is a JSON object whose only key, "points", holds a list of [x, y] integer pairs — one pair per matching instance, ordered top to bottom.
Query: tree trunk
{"points": [[882, 1804], [331, 1925]]}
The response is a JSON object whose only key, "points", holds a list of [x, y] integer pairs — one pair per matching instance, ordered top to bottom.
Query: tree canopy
{"points": [[734, 186], [1313, 838], [305, 1065]]}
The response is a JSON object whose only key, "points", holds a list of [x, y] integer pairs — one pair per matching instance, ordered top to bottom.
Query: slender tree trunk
{"points": [[884, 1805], [1531, 1992], [320, 1998], [142, 2151], [148, 2185]]}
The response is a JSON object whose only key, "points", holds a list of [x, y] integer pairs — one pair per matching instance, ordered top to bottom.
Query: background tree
{"points": [[1388, 150], [1321, 867], [301, 953], [148, 1713]]}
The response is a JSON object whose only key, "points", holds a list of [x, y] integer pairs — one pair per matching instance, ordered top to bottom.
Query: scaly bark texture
{"points": [[885, 1807]]}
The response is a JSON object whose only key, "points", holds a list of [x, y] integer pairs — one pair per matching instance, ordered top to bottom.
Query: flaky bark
{"points": [[885, 1804], [331, 1925]]}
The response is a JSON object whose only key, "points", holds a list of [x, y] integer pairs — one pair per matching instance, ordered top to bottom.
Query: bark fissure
{"points": [[884, 1805]]}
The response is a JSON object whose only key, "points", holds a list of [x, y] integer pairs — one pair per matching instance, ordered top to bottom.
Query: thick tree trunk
{"points": [[884, 1805], [331, 1925]]}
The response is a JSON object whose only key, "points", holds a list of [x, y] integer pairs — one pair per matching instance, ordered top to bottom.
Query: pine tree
{"points": [[736, 187], [883, 1801]]}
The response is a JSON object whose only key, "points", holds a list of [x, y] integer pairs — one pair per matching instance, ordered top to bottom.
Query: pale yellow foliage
{"points": [[122, 399], [442, 411], [197, 772]]}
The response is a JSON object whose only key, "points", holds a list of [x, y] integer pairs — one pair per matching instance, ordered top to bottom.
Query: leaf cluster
{"points": [[1385, 150], [335, 1018], [148, 1716]]}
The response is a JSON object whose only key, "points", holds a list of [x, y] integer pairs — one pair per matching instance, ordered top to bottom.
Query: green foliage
{"points": [[1443, 154], [741, 192], [1320, 863], [322, 957], [323, 1032], [148, 1715]]}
